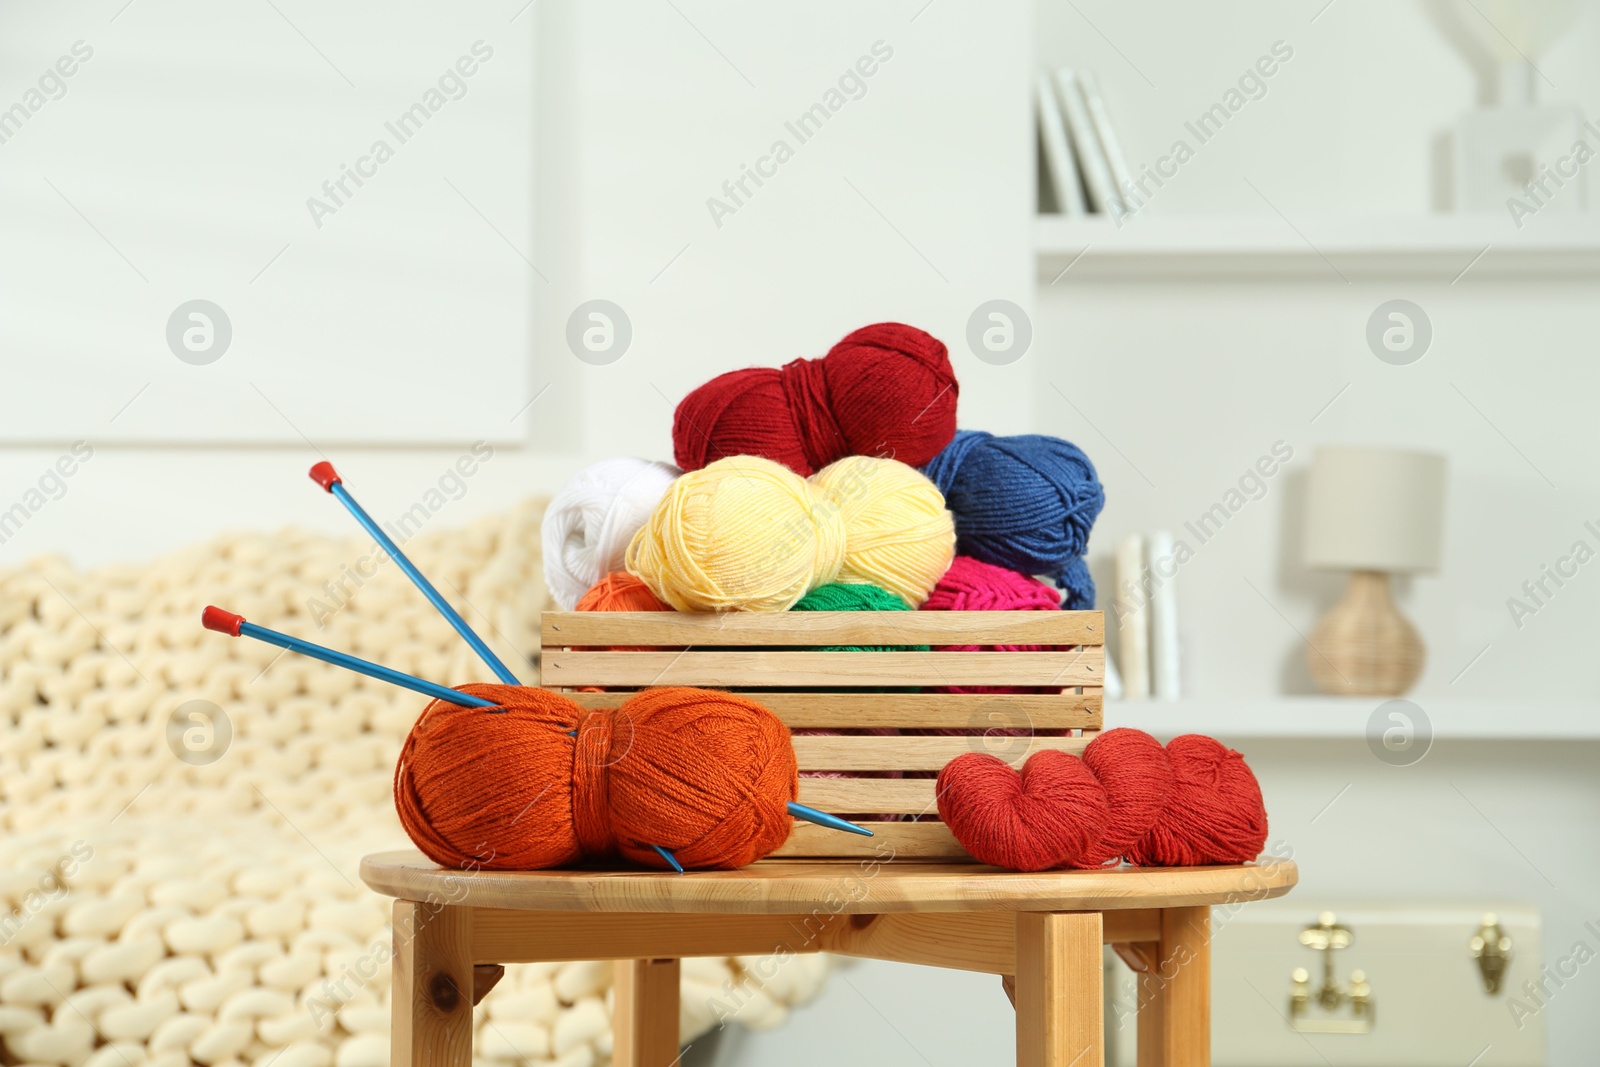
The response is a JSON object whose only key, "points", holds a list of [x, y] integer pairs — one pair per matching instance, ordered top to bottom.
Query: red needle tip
{"points": [[324, 475], [224, 622]]}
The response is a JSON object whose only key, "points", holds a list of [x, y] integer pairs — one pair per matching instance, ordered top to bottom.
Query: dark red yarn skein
{"points": [[885, 390], [1192, 803]]}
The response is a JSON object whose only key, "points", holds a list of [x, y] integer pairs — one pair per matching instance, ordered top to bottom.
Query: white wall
{"points": [[642, 112]]}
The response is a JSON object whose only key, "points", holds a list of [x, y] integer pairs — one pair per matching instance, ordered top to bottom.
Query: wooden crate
{"points": [[766, 655]]}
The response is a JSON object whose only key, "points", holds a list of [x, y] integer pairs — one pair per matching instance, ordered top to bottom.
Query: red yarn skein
{"points": [[885, 390], [1136, 774], [707, 775], [1195, 802], [1216, 814], [1033, 821]]}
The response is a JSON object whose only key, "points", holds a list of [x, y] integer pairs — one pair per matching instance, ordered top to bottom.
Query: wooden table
{"points": [[1041, 932]]}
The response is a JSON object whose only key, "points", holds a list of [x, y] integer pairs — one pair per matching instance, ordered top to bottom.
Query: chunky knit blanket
{"points": [[182, 814]]}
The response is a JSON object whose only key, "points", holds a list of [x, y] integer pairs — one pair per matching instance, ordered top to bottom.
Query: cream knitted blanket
{"points": [[182, 814]]}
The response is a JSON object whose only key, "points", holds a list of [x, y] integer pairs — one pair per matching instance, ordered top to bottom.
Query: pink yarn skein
{"points": [[972, 585]]}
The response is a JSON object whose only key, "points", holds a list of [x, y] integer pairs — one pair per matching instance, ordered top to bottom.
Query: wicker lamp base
{"points": [[1363, 646]]}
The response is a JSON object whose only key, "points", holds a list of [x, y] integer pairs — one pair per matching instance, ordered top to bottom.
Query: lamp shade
{"points": [[1375, 509]]}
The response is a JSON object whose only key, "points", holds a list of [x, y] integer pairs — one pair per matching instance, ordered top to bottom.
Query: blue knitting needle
{"points": [[324, 475], [214, 618], [226, 622], [822, 818]]}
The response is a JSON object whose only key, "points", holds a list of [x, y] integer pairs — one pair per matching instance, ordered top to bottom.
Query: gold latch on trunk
{"points": [[1491, 947], [1319, 1011]]}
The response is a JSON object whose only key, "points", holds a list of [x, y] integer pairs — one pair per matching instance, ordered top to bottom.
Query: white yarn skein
{"points": [[588, 525]]}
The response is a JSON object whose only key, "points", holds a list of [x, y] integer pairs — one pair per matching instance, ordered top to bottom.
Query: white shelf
{"points": [[1438, 246], [1311, 718]]}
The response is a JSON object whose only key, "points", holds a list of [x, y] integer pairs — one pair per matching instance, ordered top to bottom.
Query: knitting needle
{"points": [[324, 475], [226, 622], [799, 811], [822, 818], [669, 857]]}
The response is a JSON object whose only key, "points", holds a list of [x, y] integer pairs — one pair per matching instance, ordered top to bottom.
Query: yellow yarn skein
{"points": [[743, 533], [748, 534], [898, 534]]}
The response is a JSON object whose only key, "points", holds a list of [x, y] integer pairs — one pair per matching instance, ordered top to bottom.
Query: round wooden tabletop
{"points": [[864, 887]]}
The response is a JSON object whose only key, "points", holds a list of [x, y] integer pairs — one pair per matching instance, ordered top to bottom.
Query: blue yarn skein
{"points": [[1026, 503]]}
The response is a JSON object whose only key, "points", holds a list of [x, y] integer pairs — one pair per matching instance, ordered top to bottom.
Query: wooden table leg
{"points": [[1175, 998], [1060, 1006], [431, 1020], [644, 1022]]}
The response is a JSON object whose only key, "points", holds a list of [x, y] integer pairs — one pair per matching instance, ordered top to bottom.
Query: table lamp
{"points": [[1373, 512]]}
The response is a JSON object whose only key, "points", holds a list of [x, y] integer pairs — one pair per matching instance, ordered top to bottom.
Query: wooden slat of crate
{"points": [[677, 630], [764, 667], [949, 711], [917, 753], [909, 796], [891, 842]]}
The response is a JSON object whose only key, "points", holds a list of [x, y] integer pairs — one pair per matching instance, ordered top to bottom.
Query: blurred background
{"points": [[241, 238]]}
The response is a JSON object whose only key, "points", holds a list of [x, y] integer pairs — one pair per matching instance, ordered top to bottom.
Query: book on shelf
{"points": [[1085, 142], [1110, 145], [1084, 163], [1060, 165], [1145, 611], [1133, 620], [1164, 681]]}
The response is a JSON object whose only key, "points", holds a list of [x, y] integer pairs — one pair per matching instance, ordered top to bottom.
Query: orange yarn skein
{"points": [[621, 591], [707, 775]]}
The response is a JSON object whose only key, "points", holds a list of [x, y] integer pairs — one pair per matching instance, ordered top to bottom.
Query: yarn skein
{"points": [[885, 390], [1026, 503], [588, 524], [746, 533], [899, 536], [620, 591], [707, 775], [1137, 776], [1191, 803], [1216, 814], [1026, 821]]}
